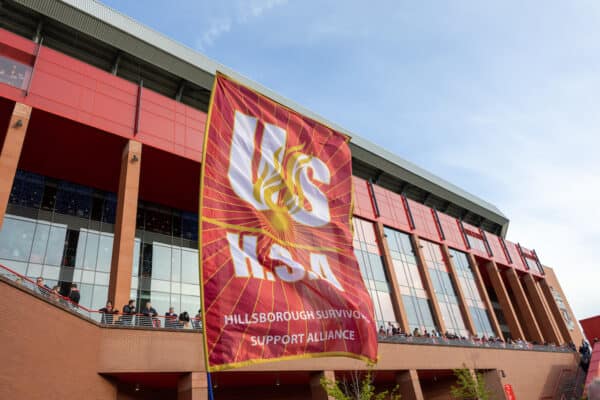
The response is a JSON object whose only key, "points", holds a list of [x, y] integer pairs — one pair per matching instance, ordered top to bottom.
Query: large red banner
{"points": [[280, 279]]}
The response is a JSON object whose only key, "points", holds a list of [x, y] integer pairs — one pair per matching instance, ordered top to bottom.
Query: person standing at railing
{"points": [[41, 287], [74, 295], [128, 312], [107, 313], [148, 314], [171, 318], [184, 320], [198, 320]]}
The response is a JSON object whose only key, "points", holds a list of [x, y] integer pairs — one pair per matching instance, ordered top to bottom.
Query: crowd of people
{"points": [[129, 316], [148, 317], [392, 330]]}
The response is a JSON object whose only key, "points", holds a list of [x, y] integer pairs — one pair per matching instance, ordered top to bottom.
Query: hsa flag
{"points": [[279, 275]]}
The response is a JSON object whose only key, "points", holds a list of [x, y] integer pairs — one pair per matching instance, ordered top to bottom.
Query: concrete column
{"points": [[11, 152], [388, 263], [119, 288], [484, 295], [462, 302], [507, 308], [437, 313], [542, 313], [556, 313], [530, 326], [493, 382], [192, 386], [410, 387], [316, 390]]}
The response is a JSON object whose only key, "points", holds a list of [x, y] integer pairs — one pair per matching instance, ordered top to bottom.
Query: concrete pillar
{"points": [[11, 152], [388, 263], [423, 268], [119, 288], [484, 295], [462, 302], [507, 308], [542, 313], [556, 313], [530, 325], [493, 382], [192, 386], [410, 387], [316, 389]]}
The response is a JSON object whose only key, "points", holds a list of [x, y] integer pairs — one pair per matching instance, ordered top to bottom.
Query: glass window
{"points": [[16, 238], [161, 261], [165, 266], [372, 269], [444, 288], [416, 302], [477, 309]]}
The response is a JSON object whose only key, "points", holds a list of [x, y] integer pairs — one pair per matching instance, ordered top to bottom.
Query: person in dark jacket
{"points": [[41, 287], [74, 295], [128, 312], [107, 313], [148, 315], [171, 318]]}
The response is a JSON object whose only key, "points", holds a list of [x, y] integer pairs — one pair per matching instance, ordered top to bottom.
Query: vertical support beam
{"points": [[11, 152], [388, 263], [422, 264], [119, 286], [484, 296], [462, 302], [507, 308], [542, 313], [558, 317], [530, 326], [192, 386], [410, 387], [316, 390]]}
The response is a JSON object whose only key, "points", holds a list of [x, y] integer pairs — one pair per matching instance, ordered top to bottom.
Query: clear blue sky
{"points": [[500, 98]]}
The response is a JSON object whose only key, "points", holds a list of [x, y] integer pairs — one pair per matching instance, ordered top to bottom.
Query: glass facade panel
{"points": [[60, 231], [477, 243], [165, 267], [372, 270], [444, 288], [415, 299], [477, 309]]}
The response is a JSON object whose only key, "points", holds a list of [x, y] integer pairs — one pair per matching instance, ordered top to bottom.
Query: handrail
{"points": [[116, 318], [142, 320]]}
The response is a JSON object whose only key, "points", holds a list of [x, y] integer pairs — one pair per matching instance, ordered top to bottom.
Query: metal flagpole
{"points": [[211, 395]]}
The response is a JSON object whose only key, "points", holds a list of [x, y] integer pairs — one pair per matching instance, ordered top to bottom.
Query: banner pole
{"points": [[211, 395]]}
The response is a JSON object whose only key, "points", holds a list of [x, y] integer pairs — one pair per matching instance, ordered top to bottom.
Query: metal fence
{"points": [[117, 319]]}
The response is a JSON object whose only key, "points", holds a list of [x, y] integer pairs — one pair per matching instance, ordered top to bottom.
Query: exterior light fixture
{"points": [[19, 123], [135, 158], [137, 387]]}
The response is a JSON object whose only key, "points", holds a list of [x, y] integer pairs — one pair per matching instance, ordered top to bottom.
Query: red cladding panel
{"points": [[17, 47], [72, 89], [77, 91], [171, 126], [363, 207], [391, 209], [425, 225], [452, 232], [497, 249], [516, 257]]}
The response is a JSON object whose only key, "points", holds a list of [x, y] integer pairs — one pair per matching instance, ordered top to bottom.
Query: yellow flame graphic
{"points": [[282, 179]]}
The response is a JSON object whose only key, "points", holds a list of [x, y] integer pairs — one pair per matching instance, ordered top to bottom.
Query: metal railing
{"points": [[115, 318], [118, 319], [460, 342]]}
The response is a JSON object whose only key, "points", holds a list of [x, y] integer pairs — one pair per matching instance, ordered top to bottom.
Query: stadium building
{"points": [[101, 130]]}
